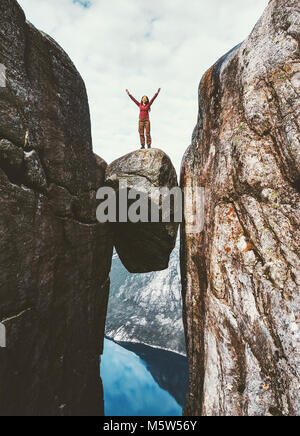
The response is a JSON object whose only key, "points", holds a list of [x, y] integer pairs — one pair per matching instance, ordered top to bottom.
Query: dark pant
{"points": [[144, 124]]}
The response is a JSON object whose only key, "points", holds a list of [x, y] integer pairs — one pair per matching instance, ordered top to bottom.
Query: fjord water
{"points": [[147, 386]]}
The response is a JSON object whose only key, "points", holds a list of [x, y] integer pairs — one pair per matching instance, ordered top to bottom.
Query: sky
{"points": [[144, 45]]}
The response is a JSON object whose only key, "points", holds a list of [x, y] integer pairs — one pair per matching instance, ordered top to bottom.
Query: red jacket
{"points": [[144, 110]]}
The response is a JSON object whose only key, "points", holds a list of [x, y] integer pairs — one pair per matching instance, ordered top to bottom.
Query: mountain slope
{"points": [[146, 308]]}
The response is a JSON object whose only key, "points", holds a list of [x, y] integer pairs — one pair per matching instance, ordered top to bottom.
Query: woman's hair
{"points": [[147, 101]]}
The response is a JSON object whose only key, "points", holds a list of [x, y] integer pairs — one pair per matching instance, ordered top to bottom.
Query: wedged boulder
{"points": [[144, 246], [54, 256], [241, 273]]}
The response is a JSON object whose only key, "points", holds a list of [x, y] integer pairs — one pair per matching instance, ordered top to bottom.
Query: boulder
{"points": [[144, 246], [241, 273]]}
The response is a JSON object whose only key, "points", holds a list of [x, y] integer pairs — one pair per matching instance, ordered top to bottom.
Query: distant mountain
{"points": [[146, 308]]}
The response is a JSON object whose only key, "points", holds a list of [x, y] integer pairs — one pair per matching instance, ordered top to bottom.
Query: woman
{"points": [[144, 121]]}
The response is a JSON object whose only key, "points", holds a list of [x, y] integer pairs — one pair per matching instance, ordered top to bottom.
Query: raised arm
{"points": [[154, 97], [132, 98]]}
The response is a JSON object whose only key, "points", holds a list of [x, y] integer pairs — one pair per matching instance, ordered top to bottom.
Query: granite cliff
{"points": [[144, 246], [54, 256], [241, 274]]}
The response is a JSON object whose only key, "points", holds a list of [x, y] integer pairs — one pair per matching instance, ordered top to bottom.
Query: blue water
{"points": [[130, 389]]}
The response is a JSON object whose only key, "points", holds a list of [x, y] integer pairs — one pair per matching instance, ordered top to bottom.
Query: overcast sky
{"points": [[143, 45]]}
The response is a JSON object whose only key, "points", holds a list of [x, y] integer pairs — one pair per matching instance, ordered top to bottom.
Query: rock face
{"points": [[144, 246], [54, 256], [241, 274], [146, 308]]}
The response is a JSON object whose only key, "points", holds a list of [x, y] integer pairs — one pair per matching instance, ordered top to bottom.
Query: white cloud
{"points": [[142, 46]]}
